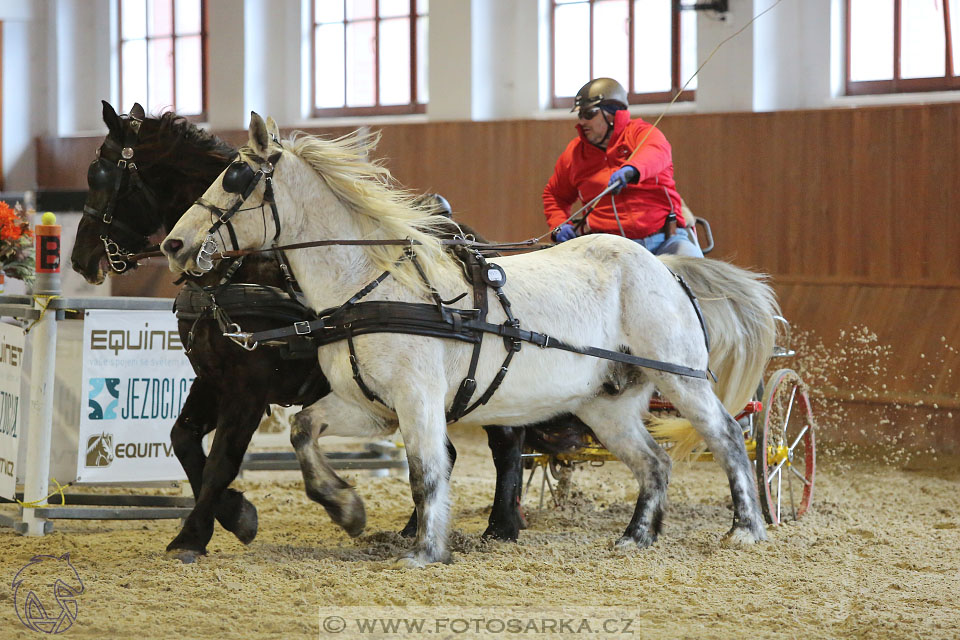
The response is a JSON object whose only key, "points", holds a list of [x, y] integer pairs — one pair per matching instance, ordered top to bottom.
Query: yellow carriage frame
{"points": [[779, 423]]}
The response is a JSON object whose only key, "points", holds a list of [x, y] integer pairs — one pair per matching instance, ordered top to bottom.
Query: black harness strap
{"points": [[265, 169], [696, 307], [353, 318], [425, 320], [547, 342], [511, 345], [468, 386], [367, 391]]}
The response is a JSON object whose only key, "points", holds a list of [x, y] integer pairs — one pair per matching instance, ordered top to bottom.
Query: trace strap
{"points": [[426, 320]]}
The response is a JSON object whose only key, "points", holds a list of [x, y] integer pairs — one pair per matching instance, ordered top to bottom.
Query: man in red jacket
{"points": [[644, 204]]}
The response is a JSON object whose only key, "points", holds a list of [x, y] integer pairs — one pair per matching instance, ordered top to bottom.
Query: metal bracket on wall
{"points": [[720, 6]]}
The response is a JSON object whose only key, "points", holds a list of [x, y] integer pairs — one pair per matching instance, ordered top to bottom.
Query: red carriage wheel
{"points": [[786, 449]]}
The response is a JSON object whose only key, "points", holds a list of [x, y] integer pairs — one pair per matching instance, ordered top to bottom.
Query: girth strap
{"points": [[458, 408]]}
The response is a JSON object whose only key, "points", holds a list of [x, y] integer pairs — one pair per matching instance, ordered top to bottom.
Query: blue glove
{"points": [[622, 176], [564, 232]]}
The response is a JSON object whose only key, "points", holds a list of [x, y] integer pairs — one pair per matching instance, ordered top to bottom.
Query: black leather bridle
{"points": [[106, 173], [239, 178]]}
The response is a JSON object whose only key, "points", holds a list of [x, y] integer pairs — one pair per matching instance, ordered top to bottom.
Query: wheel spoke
{"points": [[786, 419], [797, 441], [776, 470], [800, 475], [779, 492], [793, 508]]}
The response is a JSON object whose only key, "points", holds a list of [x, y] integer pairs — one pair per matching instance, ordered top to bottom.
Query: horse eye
{"points": [[237, 177]]}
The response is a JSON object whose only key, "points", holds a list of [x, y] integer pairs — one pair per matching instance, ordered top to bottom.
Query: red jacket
{"points": [[584, 170]]}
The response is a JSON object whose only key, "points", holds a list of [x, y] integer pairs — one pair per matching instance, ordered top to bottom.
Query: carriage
{"points": [[778, 431]]}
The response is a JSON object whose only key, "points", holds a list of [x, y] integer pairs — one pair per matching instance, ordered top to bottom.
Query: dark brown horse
{"points": [[147, 173]]}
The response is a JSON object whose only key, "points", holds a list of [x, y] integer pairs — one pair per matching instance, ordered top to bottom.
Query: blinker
{"points": [[100, 175], [237, 177]]}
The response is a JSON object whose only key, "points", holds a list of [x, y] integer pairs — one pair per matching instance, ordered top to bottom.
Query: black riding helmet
{"points": [[601, 92], [606, 94]]}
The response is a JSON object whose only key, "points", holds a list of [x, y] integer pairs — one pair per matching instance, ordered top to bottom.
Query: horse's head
{"points": [[145, 173], [246, 184], [309, 188], [120, 203]]}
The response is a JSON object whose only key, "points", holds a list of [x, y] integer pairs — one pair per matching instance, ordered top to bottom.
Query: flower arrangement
{"points": [[16, 243]]}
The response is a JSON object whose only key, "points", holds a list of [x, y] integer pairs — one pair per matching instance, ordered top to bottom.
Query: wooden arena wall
{"points": [[851, 211]]}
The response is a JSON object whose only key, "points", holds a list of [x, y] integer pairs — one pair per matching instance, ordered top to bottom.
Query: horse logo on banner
{"points": [[99, 450], [45, 593]]}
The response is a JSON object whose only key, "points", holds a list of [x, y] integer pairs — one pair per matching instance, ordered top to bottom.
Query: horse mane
{"points": [[175, 133], [181, 158], [380, 207]]}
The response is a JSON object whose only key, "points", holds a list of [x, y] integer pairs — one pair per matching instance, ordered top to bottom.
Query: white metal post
{"points": [[43, 338], [44, 354]]}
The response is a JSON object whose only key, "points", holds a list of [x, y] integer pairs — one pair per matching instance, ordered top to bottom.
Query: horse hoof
{"points": [[245, 527], [505, 534], [742, 537], [640, 541], [186, 556], [419, 559], [407, 563]]}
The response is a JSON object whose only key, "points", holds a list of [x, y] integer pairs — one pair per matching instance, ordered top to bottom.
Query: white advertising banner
{"points": [[11, 367], [136, 378]]}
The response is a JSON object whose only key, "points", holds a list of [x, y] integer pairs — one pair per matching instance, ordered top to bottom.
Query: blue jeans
{"points": [[680, 243]]}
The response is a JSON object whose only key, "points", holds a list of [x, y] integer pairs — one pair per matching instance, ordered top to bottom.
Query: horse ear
{"points": [[137, 111], [111, 119], [272, 128], [259, 137]]}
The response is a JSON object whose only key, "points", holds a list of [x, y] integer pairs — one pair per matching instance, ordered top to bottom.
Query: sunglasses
{"points": [[588, 114]]}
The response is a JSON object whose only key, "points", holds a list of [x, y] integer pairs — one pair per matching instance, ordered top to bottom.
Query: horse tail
{"points": [[739, 309]]}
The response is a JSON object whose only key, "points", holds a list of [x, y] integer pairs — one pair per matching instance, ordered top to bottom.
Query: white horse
{"points": [[599, 290]]}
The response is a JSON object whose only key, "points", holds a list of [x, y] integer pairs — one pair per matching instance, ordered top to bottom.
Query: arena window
{"points": [[645, 42], [900, 46], [162, 55], [369, 57]]}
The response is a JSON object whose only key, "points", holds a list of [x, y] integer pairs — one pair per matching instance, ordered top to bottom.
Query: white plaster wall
{"points": [[451, 55], [272, 58], [505, 59], [83, 64], [726, 82], [226, 107], [27, 110]]}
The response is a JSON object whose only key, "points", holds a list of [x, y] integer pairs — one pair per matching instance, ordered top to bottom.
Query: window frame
{"points": [[204, 58], [946, 82], [632, 96], [413, 107]]}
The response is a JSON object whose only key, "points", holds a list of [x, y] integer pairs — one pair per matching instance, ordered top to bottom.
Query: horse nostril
{"points": [[171, 246]]}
